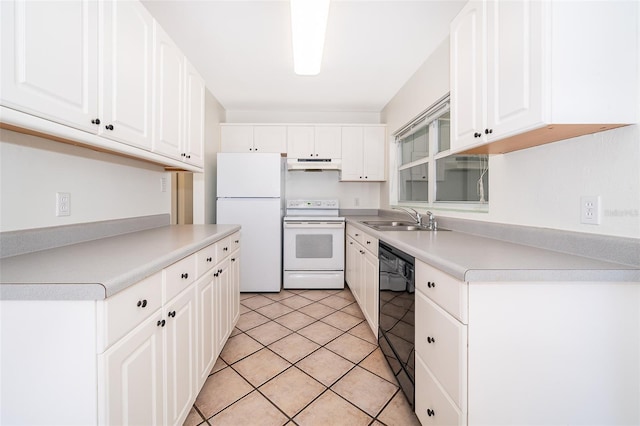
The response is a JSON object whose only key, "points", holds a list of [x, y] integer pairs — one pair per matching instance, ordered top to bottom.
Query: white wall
{"points": [[276, 116], [102, 186], [539, 186], [360, 195]]}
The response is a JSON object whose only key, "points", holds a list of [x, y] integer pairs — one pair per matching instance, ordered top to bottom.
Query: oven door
{"points": [[313, 246]]}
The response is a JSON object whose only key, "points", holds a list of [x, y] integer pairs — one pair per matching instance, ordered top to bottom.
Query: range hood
{"points": [[314, 164]]}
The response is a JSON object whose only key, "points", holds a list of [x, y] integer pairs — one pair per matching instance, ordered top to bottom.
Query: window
{"points": [[427, 173]]}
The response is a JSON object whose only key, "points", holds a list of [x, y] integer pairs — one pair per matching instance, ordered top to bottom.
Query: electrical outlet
{"points": [[356, 202], [63, 204], [590, 210]]}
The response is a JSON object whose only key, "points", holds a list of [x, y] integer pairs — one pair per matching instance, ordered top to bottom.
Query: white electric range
{"points": [[313, 246]]}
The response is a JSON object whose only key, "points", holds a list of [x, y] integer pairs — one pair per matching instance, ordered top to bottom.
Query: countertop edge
{"points": [[625, 273], [102, 289]]}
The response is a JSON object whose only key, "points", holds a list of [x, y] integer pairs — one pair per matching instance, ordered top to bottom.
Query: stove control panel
{"points": [[313, 204]]}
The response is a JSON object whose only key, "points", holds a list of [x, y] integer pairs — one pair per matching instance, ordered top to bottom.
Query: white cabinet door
{"points": [[467, 49], [50, 60], [514, 66], [127, 73], [169, 95], [352, 138], [236, 139], [270, 139], [328, 141], [300, 142], [193, 149], [363, 153], [373, 153], [222, 284], [371, 284], [235, 289], [206, 347], [180, 353], [132, 371]]}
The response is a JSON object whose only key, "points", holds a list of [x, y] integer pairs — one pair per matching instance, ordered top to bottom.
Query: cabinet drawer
{"points": [[234, 242], [370, 243], [223, 249], [206, 258], [178, 276], [449, 293], [123, 311], [441, 341], [433, 406]]}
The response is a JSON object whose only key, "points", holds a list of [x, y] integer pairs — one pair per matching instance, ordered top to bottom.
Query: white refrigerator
{"points": [[250, 191]]}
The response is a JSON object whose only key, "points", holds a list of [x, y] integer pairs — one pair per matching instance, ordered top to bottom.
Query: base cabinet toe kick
{"points": [[140, 356]]}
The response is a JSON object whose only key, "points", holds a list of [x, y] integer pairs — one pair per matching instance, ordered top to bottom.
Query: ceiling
{"points": [[243, 50]]}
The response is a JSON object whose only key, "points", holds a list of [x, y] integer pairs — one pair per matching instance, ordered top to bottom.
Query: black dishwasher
{"points": [[397, 315]]}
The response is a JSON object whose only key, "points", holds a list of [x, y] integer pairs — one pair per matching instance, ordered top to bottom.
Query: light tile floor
{"points": [[301, 357]]}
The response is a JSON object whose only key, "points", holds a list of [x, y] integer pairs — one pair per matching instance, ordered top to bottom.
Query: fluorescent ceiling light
{"points": [[308, 25]]}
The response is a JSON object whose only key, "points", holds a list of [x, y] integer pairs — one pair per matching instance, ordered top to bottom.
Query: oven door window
{"points": [[314, 246]]}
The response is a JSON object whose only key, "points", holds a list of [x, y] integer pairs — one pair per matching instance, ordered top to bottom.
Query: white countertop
{"points": [[479, 259], [100, 268]]}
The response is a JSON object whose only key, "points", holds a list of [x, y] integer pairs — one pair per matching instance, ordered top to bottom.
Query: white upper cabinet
{"points": [[50, 60], [106, 68], [530, 72], [126, 87], [169, 96], [249, 138], [310, 142], [193, 149], [363, 153]]}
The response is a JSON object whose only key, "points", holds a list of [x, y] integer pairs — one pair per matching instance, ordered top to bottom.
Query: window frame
{"points": [[430, 117]]}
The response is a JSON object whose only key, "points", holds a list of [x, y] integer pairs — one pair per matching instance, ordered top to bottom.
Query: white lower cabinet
{"points": [[362, 273], [528, 352], [180, 356], [139, 357], [131, 377]]}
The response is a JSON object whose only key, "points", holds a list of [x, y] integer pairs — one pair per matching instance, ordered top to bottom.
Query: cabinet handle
{"points": [[96, 121], [109, 127], [488, 131], [477, 135], [366, 177], [357, 235], [237, 241], [368, 242], [225, 248], [361, 251], [209, 259], [233, 259], [219, 271], [216, 274], [185, 276], [431, 284], [142, 303], [172, 314], [161, 323], [430, 339], [430, 412]]}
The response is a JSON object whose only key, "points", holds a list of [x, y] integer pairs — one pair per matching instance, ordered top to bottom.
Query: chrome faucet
{"points": [[415, 215], [431, 225]]}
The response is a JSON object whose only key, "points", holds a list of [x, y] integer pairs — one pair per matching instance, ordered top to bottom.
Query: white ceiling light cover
{"points": [[308, 27]]}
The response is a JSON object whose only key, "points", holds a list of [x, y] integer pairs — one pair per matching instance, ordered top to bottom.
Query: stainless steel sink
{"points": [[387, 225]]}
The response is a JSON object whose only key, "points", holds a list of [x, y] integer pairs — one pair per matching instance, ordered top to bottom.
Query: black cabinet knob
{"points": [[96, 121], [109, 127], [488, 131], [237, 241], [225, 249], [209, 259], [233, 259], [219, 271], [216, 274], [185, 276], [431, 284], [142, 303], [172, 314], [161, 323], [430, 339], [430, 412]]}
